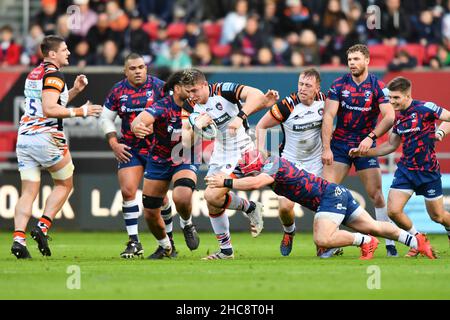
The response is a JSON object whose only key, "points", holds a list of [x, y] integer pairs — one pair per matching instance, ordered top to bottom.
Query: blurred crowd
{"points": [[181, 33]]}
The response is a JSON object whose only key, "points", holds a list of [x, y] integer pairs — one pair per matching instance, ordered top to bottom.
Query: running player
{"points": [[127, 99], [357, 99], [221, 103], [300, 117], [41, 142], [165, 164], [418, 169], [334, 205]]}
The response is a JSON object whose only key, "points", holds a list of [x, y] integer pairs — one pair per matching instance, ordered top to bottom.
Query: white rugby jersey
{"points": [[44, 77], [222, 106], [301, 126]]}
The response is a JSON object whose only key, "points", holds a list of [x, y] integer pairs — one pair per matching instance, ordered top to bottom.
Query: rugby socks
{"points": [[234, 202], [131, 212], [166, 214], [381, 215], [184, 223], [44, 224], [221, 227], [289, 229], [413, 231], [20, 237], [360, 239], [407, 239], [165, 242]]}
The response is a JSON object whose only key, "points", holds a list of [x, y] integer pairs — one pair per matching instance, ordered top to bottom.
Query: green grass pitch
{"points": [[257, 272]]}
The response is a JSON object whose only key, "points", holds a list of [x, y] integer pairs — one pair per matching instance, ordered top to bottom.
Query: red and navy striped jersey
{"points": [[128, 102], [359, 107], [416, 127], [167, 130], [294, 183]]}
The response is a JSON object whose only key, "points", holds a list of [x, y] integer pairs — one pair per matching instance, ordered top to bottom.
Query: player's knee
{"points": [[128, 193], [210, 195], [377, 197], [152, 202], [437, 217], [322, 241]]}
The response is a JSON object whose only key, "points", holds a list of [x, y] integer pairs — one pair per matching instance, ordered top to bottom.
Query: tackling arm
{"points": [[266, 122]]}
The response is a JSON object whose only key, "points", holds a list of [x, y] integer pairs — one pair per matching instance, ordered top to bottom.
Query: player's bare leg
{"points": [[335, 172], [62, 174], [371, 179], [129, 181], [184, 186], [153, 195], [438, 214], [22, 215], [287, 218]]}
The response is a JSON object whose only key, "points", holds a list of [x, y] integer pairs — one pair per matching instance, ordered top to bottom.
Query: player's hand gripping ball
{"points": [[209, 132]]}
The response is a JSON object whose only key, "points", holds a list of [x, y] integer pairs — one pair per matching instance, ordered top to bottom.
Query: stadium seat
{"points": [[151, 28], [176, 30], [213, 32], [221, 50], [415, 50], [430, 52], [381, 55]]}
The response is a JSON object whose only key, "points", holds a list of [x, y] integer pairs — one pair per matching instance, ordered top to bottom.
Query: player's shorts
{"points": [[41, 149], [340, 154], [137, 159], [227, 162], [312, 166], [165, 171], [427, 184], [338, 205]]}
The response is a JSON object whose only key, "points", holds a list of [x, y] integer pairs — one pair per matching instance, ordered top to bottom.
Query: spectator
{"points": [[130, 7], [157, 8], [296, 16], [47, 17], [87, 18], [330, 19], [118, 20], [234, 22], [357, 22], [271, 25], [396, 26], [446, 26], [62, 29], [428, 29], [100, 33], [193, 34], [136, 39], [251, 39], [161, 45], [309, 48], [9, 50], [336, 51], [281, 52], [31, 54], [109, 55], [202, 55], [80, 57], [265, 57], [177, 58], [237, 59], [297, 59], [442, 59], [402, 61]]}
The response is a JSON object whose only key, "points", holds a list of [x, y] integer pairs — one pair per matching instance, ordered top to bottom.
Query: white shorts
{"points": [[41, 149], [226, 162], [313, 166]]}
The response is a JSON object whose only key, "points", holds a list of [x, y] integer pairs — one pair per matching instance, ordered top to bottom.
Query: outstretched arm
{"points": [[331, 109], [266, 122], [142, 124], [388, 147], [247, 183]]}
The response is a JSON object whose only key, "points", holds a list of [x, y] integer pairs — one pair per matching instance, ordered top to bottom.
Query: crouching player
{"points": [[164, 165], [334, 205]]}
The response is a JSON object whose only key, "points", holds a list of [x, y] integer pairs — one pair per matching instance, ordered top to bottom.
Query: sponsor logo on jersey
{"points": [[54, 82], [229, 86], [345, 93], [149, 94], [367, 94], [123, 98], [219, 106], [320, 111], [222, 119], [307, 126]]}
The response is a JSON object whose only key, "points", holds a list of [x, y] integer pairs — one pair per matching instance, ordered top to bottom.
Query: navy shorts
{"points": [[340, 154], [137, 159], [165, 171], [427, 184], [337, 199]]}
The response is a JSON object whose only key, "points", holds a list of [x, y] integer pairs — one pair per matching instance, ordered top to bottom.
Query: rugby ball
{"points": [[209, 132]]}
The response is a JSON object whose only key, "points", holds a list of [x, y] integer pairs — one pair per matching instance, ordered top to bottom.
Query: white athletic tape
{"points": [[63, 173], [31, 174]]}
